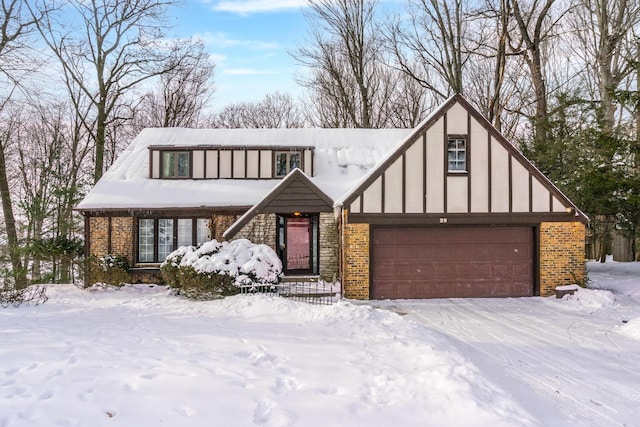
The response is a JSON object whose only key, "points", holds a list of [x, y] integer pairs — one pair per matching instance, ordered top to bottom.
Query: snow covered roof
{"points": [[341, 158]]}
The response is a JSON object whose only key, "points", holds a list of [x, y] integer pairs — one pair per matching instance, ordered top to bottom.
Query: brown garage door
{"points": [[452, 262]]}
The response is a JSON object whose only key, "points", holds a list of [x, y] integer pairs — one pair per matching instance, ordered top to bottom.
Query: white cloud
{"points": [[256, 6], [221, 41], [246, 71]]}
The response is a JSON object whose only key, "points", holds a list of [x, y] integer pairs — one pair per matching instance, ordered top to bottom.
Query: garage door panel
{"points": [[452, 262]]}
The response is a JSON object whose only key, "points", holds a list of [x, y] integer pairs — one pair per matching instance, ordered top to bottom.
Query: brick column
{"points": [[562, 257], [356, 261]]}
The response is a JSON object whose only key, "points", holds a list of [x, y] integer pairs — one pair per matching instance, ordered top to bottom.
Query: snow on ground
{"points": [[139, 356], [569, 362]]}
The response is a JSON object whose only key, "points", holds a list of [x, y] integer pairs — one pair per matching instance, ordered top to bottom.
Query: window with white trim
{"points": [[457, 154], [158, 237]]}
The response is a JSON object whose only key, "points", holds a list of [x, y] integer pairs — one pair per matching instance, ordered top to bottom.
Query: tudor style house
{"points": [[448, 209]]}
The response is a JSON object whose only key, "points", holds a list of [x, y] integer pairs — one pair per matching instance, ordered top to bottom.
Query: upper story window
{"points": [[457, 154], [286, 161], [175, 164]]}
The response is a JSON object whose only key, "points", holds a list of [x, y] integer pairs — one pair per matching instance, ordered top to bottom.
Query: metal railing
{"points": [[306, 289]]}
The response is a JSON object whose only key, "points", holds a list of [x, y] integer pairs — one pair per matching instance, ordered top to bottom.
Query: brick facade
{"points": [[118, 229], [99, 236], [122, 237], [562, 256], [356, 261]]}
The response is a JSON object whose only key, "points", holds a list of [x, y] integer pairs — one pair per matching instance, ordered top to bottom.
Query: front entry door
{"points": [[298, 243], [298, 247]]}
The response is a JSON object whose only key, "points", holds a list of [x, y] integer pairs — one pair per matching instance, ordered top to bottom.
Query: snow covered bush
{"points": [[218, 269]]}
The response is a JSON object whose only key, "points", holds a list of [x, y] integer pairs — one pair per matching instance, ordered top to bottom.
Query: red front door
{"points": [[298, 246]]}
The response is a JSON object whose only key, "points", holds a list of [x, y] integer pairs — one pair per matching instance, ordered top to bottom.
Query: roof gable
{"points": [[414, 177], [295, 193]]}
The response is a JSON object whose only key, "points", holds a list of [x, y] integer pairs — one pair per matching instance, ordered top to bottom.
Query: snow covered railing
{"points": [[307, 289]]}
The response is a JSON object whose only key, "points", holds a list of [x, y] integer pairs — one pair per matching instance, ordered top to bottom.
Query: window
{"points": [[457, 154], [286, 162], [175, 164], [157, 238], [145, 240]]}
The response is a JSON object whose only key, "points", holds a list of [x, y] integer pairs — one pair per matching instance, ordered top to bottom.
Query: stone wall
{"points": [[261, 230], [329, 247], [562, 256], [356, 261]]}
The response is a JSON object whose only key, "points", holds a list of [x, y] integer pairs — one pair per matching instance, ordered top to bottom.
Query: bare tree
{"points": [[16, 24], [429, 45], [114, 49], [344, 54], [182, 92], [275, 110]]}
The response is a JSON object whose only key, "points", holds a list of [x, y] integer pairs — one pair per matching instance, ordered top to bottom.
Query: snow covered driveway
{"points": [[565, 361]]}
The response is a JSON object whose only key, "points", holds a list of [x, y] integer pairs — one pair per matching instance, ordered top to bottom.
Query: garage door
{"points": [[452, 262]]}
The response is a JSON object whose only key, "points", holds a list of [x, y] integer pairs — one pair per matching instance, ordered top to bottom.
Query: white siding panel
{"points": [[457, 120], [308, 162], [252, 163], [155, 164], [198, 164], [212, 164], [225, 164], [479, 164], [239, 167], [266, 167], [435, 168], [414, 175], [499, 177], [393, 187], [457, 187], [519, 187], [540, 196], [372, 197], [355, 206], [558, 206]]}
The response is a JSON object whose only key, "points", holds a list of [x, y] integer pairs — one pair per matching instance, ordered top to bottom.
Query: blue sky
{"points": [[250, 41]]}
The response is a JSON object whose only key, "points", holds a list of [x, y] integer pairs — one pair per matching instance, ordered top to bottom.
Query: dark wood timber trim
{"points": [[445, 142], [230, 147], [246, 163], [469, 163], [259, 164], [151, 165], [218, 165], [489, 171], [424, 172], [404, 182], [510, 183], [382, 184], [530, 192], [362, 203], [161, 212], [497, 219]]}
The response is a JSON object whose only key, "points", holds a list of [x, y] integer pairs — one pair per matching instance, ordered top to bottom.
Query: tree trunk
{"points": [[19, 273]]}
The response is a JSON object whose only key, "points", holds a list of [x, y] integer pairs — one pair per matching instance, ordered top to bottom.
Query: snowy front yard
{"points": [[141, 357]]}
